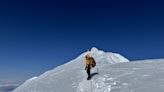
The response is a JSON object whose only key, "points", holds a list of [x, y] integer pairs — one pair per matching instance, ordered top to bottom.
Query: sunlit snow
{"points": [[113, 73]]}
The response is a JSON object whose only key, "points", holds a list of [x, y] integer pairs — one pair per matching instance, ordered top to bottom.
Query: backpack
{"points": [[93, 63]]}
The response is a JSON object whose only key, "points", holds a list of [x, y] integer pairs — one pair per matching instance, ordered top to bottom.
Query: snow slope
{"points": [[108, 76]]}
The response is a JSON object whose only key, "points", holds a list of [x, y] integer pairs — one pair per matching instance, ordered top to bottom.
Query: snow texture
{"points": [[113, 73]]}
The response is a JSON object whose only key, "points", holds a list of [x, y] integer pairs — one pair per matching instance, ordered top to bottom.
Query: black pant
{"points": [[88, 71]]}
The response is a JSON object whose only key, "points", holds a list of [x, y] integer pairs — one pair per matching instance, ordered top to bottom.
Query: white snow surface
{"points": [[113, 73]]}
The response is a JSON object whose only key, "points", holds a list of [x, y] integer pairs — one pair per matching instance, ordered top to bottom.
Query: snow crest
{"points": [[107, 57], [72, 75]]}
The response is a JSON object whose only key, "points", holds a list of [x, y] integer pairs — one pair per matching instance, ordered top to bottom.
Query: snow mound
{"points": [[107, 57], [66, 78]]}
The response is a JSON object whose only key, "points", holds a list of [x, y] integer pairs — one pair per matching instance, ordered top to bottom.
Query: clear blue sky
{"points": [[36, 36]]}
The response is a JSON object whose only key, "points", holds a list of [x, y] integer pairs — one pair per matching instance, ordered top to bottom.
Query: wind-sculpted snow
{"points": [[107, 57], [110, 75], [143, 76]]}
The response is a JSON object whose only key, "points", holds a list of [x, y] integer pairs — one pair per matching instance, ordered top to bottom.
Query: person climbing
{"points": [[90, 63]]}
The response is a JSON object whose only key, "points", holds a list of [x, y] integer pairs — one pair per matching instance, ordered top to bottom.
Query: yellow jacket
{"points": [[88, 62]]}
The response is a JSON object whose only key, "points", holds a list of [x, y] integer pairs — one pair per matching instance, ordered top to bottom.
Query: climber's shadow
{"points": [[93, 74]]}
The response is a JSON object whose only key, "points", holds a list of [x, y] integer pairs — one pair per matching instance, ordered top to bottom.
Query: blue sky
{"points": [[36, 36]]}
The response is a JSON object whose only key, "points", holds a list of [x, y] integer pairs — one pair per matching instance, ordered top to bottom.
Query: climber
{"points": [[90, 63]]}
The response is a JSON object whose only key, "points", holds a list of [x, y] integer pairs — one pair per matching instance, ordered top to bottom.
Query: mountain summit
{"points": [[107, 57], [113, 73], [68, 77]]}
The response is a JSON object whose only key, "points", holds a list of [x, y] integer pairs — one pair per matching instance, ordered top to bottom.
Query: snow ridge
{"points": [[107, 57], [73, 73]]}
